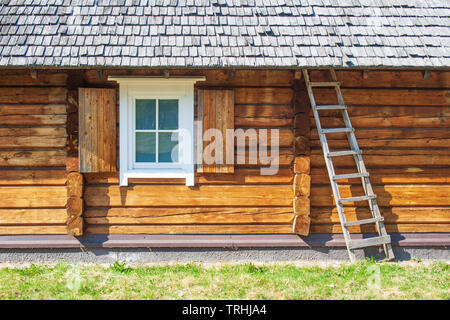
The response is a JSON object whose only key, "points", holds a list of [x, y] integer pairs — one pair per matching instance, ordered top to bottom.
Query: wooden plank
{"points": [[22, 78], [387, 79], [33, 94], [263, 96], [412, 97], [217, 107], [27, 109], [264, 111], [33, 120], [263, 122], [33, 131], [97, 137], [24, 142], [386, 143], [48, 158], [286, 158], [408, 159], [411, 175], [240, 176], [32, 177], [172, 195], [389, 195], [33, 197], [321, 215], [32, 216], [176, 216], [406, 227], [40, 229], [188, 229]]}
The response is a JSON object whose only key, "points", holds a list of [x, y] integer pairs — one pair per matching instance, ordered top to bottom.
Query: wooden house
{"points": [[92, 93]]}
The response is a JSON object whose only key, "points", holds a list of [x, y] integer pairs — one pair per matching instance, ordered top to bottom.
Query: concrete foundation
{"points": [[108, 255]]}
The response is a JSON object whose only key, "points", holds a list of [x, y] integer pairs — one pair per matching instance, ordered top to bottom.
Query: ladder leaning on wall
{"points": [[383, 238]]}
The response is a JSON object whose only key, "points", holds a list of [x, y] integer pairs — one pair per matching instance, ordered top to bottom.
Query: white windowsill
{"points": [[167, 173]]}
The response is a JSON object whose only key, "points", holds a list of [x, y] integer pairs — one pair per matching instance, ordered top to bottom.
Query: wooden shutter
{"points": [[216, 110], [97, 129]]}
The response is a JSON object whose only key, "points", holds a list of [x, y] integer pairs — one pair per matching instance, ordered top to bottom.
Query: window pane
{"points": [[145, 114], [168, 114], [145, 147], [168, 149]]}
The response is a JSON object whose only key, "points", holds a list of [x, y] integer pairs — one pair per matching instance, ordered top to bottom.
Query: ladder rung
{"points": [[324, 84], [331, 107], [337, 130], [343, 153], [350, 175], [361, 198], [365, 221], [375, 241]]}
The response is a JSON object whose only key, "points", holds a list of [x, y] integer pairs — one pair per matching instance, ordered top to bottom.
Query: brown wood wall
{"points": [[402, 124], [32, 152]]}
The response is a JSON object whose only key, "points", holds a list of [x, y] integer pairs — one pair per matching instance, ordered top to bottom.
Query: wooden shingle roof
{"points": [[219, 33]]}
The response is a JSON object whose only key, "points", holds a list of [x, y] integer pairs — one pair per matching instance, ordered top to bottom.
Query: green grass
{"points": [[364, 280]]}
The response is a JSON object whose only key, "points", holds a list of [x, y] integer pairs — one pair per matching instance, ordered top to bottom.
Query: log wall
{"points": [[402, 125], [33, 152]]}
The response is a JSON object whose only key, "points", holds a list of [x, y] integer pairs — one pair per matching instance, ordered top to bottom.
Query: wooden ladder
{"points": [[383, 238]]}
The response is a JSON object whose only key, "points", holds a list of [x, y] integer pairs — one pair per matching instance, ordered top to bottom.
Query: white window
{"points": [[156, 128]]}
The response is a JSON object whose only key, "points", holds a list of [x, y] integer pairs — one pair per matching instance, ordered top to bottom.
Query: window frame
{"points": [[132, 88]]}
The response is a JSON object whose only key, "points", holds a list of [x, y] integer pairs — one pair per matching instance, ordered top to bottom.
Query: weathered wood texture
{"points": [[217, 109], [402, 125], [97, 129], [32, 152]]}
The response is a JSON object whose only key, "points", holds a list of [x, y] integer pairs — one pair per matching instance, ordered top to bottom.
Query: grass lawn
{"points": [[363, 280]]}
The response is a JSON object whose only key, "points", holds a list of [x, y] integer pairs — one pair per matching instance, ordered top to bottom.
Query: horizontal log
{"points": [[214, 77], [21, 78], [387, 79], [33, 95], [263, 95], [413, 97], [27, 109], [263, 111], [32, 120], [388, 121], [263, 122], [34, 131], [373, 134], [285, 138], [23, 142], [387, 143], [48, 158], [285, 158], [387, 160], [412, 175], [240, 176], [32, 177], [74, 184], [170, 195], [389, 195], [33, 197], [302, 206], [202, 215], [391, 215], [32, 216], [406, 227], [40, 229], [189, 229]]}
